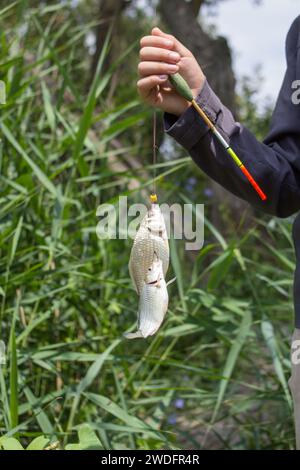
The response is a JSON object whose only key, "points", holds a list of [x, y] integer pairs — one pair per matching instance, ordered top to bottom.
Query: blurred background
{"points": [[74, 134]]}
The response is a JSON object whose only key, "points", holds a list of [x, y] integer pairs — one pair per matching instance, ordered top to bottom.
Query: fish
{"points": [[151, 238], [153, 303]]}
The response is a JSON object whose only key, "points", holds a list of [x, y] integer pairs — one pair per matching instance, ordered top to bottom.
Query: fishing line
{"points": [[154, 155], [153, 196]]}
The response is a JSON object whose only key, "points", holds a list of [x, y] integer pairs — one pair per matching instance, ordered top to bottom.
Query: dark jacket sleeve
{"points": [[274, 163]]}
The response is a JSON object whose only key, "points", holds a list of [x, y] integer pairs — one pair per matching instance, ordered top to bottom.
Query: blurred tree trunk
{"points": [[109, 12], [214, 56]]}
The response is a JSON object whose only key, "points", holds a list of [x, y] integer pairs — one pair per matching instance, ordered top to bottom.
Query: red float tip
{"points": [[253, 183]]}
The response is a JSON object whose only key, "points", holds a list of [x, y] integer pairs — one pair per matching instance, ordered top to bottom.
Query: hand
{"points": [[162, 54]]}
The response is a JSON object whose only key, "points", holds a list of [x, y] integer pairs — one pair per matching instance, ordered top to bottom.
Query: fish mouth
{"points": [[152, 282]]}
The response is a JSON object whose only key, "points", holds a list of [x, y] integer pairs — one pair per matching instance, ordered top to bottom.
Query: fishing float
{"points": [[184, 90]]}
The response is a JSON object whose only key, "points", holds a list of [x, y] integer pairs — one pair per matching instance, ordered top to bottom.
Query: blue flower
{"points": [[190, 183], [208, 192], [179, 403], [172, 419]]}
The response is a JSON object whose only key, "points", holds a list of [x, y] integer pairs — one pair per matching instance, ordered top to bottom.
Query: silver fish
{"points": [[151, 238], [153, 302]]}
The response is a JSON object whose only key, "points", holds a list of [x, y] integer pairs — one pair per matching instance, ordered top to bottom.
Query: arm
{"points": [[274, 163]]}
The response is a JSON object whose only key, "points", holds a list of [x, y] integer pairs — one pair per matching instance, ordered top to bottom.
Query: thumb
{"points": [[178, 46]]}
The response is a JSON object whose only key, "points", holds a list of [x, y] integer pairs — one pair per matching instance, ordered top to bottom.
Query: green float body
{"points": [[181, 86]]}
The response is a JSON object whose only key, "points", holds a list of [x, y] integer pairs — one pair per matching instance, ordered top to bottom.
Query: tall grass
{"points": [[215, 375]]}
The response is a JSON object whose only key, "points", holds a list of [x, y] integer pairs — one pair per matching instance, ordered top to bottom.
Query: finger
{"points": [[156, 41], [178, 46], [159, 54], [156, 68], [146, 85]]}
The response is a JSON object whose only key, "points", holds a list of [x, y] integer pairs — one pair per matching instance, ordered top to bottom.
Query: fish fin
{"points": [[172, 280], [136, 334]]}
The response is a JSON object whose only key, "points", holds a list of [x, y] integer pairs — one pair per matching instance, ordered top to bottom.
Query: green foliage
{"points": [[248, 102], [212, 374], [88, 440], [11, 443]]}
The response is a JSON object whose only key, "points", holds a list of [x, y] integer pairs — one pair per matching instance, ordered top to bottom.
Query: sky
{"points": [[257, 35]]}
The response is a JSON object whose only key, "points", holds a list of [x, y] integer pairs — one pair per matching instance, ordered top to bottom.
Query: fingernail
{"points": [[174, 56], [173, 67], [163, 77]]}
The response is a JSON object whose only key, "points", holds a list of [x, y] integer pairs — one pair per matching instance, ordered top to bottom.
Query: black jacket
{"points": [[274, 163]]}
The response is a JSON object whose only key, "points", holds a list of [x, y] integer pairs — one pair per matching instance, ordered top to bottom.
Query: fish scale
{"points": [[150, 239], [148, 265], [153, 302]]}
